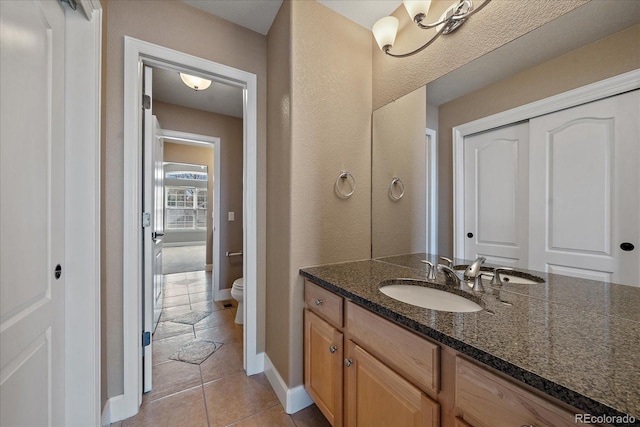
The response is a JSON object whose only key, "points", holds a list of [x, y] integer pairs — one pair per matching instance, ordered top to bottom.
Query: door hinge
{"points": [[146, 102], [146, 219], [146, 339]]}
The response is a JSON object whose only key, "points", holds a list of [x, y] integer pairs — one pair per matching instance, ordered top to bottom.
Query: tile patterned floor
{"points": [[217, 392]]}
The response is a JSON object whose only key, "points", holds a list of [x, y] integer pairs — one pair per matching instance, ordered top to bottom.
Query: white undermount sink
{"points": [[414, 293]]}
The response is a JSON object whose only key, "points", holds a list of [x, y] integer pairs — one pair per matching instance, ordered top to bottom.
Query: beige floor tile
{"points": [[170, 278], [175, 291], [201, 296], [175, 301], [170, 312], [216, 318], [171, 329], [226, 333], [164, 348], [224, 362], [172, 377], [237, 397], [184, 409], [274, 416], [310, 417], [116, 424]]}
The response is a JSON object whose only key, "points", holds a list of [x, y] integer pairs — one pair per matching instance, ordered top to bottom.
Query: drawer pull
{"points": [[318, 301], [333, 349], [348, 362]]}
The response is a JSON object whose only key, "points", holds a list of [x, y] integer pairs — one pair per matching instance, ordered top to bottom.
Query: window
{"points": [[185, 208]]}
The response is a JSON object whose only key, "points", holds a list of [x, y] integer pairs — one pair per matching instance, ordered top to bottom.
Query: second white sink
{"points": [[434, 299]]}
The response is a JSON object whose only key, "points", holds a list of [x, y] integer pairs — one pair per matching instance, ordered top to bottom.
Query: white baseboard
{"points": [[208, 267], [222, 295], [291, 399], [113, 411]]}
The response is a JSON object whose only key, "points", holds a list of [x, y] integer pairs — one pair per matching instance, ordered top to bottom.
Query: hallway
{"points": [[215, 392]]}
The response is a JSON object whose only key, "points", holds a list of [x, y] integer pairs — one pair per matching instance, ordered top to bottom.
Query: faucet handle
{"points": [[449, 261], [431, 273], [496, 275], [477, 283]]}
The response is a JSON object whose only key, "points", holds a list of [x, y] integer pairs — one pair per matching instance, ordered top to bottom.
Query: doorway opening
{"points": [[137, 54]]}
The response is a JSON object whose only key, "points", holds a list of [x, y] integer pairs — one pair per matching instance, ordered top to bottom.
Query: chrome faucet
{"points": [[472, 271], [450, 273]]}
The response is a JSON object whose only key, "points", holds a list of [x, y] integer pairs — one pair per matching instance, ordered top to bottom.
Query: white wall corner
{"points": [[291, 399]]}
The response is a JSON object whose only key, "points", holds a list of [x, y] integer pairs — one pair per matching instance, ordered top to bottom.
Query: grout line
{"points": [[204, 396]]}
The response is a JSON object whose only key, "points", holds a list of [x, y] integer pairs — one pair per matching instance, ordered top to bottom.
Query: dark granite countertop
{"points": [[574, 339]]}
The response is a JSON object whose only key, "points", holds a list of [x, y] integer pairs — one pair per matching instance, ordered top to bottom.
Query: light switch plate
{"points": [[232, 216]]}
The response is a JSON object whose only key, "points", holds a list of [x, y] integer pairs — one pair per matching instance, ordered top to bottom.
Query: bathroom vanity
{"points": [[536, 353]]}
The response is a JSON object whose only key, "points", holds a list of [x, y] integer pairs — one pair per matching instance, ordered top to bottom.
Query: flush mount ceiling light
{"points": [[385, 29], [195, 83]]}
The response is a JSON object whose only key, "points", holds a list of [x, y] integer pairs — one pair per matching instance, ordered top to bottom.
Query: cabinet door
{"points": [[323, 366], [377, 396]]}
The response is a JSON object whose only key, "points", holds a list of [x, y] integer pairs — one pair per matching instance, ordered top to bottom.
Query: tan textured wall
{"points": [[498, 23], [178, 26], [608, 57], [229, 130], [330, 131], [399, 150], [279, 183]]}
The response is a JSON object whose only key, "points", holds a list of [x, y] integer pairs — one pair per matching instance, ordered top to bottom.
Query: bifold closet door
{"points": [[584, 190]]}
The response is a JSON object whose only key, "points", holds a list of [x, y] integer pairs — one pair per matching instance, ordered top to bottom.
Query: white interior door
{"points": [[32, 52], [496, 195], [585, 203], [158, 223], [153, 229]]}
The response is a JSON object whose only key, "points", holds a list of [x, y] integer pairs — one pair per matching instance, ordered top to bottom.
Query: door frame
{"points": [[136, 53], [83, 88], [591, 92], [212, 142], [432, 188]]}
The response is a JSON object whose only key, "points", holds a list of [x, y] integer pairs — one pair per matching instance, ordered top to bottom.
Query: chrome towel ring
{"points": [[343, 177], [393, 193]]}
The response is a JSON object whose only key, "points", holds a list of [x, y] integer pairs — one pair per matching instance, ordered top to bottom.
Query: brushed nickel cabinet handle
{"points": [[318, 301], [333, 349], [348, 362]]}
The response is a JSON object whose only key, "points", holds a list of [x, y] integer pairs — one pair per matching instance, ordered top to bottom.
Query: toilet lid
{"points": [[239, 283]]}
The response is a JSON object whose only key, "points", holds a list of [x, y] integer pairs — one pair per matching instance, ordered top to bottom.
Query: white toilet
{"points": [[237, 291]]}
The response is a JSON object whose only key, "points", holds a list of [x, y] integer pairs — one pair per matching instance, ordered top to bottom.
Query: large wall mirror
{"points": [[594, 42]]}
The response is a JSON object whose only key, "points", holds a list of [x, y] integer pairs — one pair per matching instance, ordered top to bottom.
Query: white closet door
{"points": [[496, 195], [584, 205]]}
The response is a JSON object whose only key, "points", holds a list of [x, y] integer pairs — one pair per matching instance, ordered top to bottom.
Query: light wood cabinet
{"points": [[323, 366], [387, 375], [377, 396]]}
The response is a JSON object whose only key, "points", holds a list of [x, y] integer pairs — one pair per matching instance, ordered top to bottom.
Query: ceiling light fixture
{"points": [[385, 29], [195, 83]]}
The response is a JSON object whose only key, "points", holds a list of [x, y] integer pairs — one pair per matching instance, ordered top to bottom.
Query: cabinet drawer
{"points": [[325, 303], [408, 354], [489, 400]]}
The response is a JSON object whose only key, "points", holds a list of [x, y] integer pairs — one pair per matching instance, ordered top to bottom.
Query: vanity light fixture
{"points": [[385, 29], [195, 83]]}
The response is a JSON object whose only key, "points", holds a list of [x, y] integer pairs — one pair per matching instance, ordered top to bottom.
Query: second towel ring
{"points": [[343, 176], [396, 182]]}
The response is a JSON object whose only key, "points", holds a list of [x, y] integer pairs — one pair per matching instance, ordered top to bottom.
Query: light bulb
{"points": [[417, 7], [385, 30], [195, 83]]}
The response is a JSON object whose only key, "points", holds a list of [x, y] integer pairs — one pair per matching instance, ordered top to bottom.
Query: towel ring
{"points": [[343, 176], [396, 182]]}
